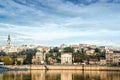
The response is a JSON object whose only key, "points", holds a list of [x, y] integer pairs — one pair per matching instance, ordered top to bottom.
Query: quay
{"points": [[64, 67]]}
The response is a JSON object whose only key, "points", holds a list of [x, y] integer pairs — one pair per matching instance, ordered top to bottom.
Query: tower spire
{"points": [[9, 40]]}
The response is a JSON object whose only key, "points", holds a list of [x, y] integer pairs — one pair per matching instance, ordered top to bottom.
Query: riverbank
{"points": [[65, 67], [11, 68]]}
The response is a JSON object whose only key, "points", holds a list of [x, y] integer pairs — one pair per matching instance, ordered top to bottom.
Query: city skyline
{"points": [[54, 22]]}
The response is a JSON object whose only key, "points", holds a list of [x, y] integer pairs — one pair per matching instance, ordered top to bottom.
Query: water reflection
{"points": [[60, 75]]}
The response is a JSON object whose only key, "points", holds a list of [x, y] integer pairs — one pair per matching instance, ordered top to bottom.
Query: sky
{"points": [[56, 22]]}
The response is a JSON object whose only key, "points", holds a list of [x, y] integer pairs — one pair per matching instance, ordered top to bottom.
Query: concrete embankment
{"points": [[62, 67]]}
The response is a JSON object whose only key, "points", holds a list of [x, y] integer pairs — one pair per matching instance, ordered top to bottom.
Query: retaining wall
{"points": [[61, 67]]}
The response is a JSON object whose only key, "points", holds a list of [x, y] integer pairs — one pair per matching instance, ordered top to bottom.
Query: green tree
{"points": [[68, 49], [54, 50], [97, 50], [51, 51], [82, 51], [2, 53], [22, 53], [29, 53], [97, 53], [103, 53], [54, 54], [13, 56], [47, 56], [76, 57], [0, 60], [7, 60], [18, 62]]}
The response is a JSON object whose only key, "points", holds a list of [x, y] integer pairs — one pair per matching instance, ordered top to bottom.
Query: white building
{"points": [[9, 49], [39, 56], [66, 58]]}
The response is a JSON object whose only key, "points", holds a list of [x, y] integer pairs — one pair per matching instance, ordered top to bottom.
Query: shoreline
{"points": [[63, 67]]}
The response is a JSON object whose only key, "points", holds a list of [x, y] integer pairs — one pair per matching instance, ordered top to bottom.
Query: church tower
{"points": [[8, 40]]}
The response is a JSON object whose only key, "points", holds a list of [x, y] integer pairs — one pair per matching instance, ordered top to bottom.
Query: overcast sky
{"points": [[54, 22]]}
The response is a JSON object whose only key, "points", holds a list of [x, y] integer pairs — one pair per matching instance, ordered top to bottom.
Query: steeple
{"points": [[8, 40]]}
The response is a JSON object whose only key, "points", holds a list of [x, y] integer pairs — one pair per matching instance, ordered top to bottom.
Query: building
{"points": [[63, 46], [75, 47], [9, 49], [90, 52], [39, 56], [109, 56], [113, 57], [116, 57], [21, 58], [66, 58], [34, 59], [51, 60], [93, 61], [102, 61]]}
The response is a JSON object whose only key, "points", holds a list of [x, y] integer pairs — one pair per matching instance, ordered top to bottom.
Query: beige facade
{"points": [[9, 49], [90, 52], [39, 56], [109, 56], [113, 57], [66, 58], [116, 58], [21, 59], [34, 60], [93, 61], [102, 61]]}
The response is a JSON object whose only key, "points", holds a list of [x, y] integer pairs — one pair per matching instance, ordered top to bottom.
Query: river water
{"points": [[60, 75]]}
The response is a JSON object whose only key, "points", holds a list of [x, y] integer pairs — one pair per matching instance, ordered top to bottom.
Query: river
{"points": [[60, 75]]}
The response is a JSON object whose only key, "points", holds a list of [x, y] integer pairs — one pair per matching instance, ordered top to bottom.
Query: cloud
{"points": [[47, 21], [51, 33]]}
